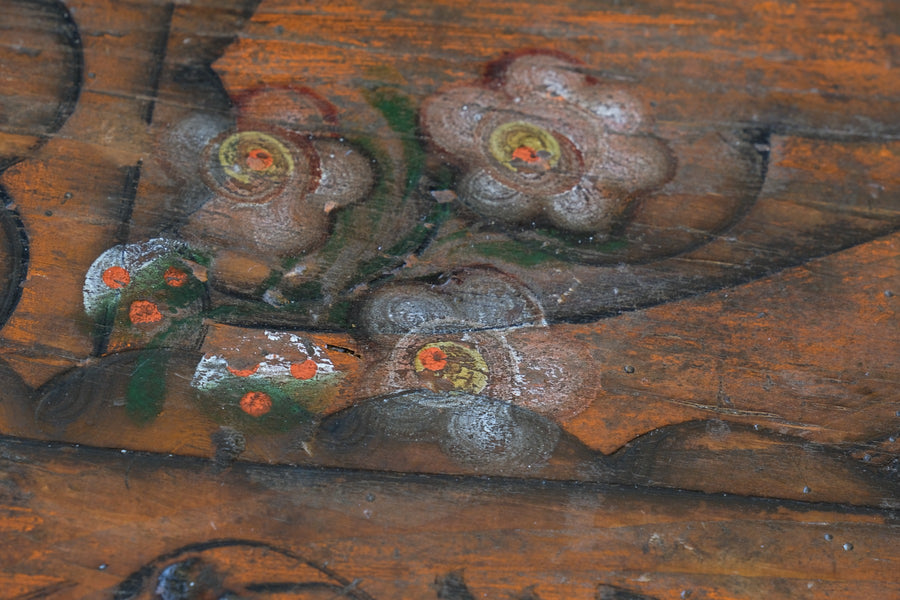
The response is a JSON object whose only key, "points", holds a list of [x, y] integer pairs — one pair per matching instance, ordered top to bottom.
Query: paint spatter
{"points": [[116, 277], [143, 312], [304, 370], [256, 403]]}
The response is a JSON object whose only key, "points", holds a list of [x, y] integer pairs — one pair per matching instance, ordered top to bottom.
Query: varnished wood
{"points": [[707, 409], [394, 536]]}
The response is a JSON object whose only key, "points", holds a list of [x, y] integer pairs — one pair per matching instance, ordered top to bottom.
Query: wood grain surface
{"points": [[357, 369]]}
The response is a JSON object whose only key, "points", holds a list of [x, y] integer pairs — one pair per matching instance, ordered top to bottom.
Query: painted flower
{"points": [[540, 140], [265, 187], [131, 268], [135, 292], [474, 297], [530, 367], [279, 377]]}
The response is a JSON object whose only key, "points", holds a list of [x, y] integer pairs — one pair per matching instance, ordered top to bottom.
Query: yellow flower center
{"points": [[524, 147], [249, 155], [451, 365]]}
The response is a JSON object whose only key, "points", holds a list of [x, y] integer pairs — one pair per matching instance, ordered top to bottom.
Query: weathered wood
{"points": [[243, 236], [393, 536]]}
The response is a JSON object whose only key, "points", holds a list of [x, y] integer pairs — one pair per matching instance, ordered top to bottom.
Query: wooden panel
{"points": [[497, 299], [390, 536]]}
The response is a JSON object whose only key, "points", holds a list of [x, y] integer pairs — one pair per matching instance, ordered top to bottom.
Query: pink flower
{"points": [[539, 140], [266, 187]]}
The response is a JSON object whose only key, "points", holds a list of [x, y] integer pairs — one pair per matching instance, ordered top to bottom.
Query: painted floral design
{"points": [[541, 141], [267, 186], [123, 268], [137, 292], [474, 297], [525, 366], [268, 378], [479, 432]]}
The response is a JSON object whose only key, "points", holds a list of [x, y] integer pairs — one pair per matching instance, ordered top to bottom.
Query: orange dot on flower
{"points": [[524, 153], [259, 159], [116, 277], [175, 277], [144, 311], [433, 358], [305, 370], [243, 372], [256, 404]]}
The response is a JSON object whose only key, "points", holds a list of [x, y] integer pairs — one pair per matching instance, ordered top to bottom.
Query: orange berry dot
{"points": [[526, 154], [259, 159], [116, 277], [175, 277], [144, 311], [433, 359], [305, 370], [243, 372], [256, 404]]}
